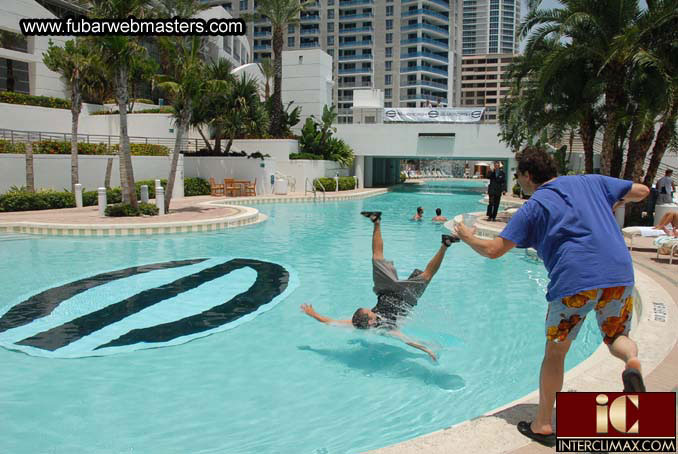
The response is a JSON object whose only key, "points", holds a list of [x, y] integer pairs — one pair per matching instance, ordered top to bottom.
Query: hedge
{"points": [[12, 97], [131, 100], [163, 109], [64, 147], [305, 156], [345, 184], [22, 200], [125, 209]]}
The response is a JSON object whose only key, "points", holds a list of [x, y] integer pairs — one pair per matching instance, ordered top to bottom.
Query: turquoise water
{"points": [[282, 382]]}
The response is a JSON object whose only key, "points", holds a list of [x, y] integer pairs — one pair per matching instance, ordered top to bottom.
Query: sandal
{"points": [[374, 216], [449, 239], [633, 381], [546, 440]]}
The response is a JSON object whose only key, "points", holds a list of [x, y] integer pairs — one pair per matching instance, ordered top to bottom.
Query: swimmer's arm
{"points": [[308, 310], [400, 336]]}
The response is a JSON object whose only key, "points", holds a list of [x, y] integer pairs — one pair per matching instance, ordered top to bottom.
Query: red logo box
{"points": [[616, 422]]}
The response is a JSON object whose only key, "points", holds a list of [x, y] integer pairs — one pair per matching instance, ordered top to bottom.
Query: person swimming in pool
{"points": [[395, 297]]}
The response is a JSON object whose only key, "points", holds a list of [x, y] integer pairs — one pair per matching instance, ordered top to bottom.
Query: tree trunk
{"points": [[267, 89], [614, 96], [76, 106], [276, 114], [182, 126], [664, 135], [207, 142], [217, 142], [639, 143], [229, 144], [618, 150], [109, 170], [30, 180], [129, 194]]}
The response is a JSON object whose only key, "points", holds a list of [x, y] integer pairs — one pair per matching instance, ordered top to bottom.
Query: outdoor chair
{"points": [[251, 188], [216, 189], [633, 231], [667, 245]]}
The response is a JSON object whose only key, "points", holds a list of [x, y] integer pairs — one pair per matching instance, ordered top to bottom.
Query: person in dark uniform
{"points": [[495, 190], [395, 297]]}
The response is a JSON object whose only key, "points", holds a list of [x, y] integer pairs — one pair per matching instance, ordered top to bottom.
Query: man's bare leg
{"points": [[377, 242], [550, 382]]}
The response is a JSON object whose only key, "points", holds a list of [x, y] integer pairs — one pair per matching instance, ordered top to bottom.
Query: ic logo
{"points": [[390, 113], [433, 114], [476, 114], [616, 412]]}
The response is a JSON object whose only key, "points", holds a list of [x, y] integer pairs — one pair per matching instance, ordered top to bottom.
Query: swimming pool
{"points": [[282, 382]]}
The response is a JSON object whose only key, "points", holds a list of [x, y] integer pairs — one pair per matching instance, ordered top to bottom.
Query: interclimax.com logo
{"points": [[616, 422]]}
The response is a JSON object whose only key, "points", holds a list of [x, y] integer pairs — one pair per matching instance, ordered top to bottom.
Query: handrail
{"points": [[306, 186], [321, 186]]}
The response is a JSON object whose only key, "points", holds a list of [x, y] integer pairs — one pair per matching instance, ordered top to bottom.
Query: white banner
{"points": [[434, 114]]}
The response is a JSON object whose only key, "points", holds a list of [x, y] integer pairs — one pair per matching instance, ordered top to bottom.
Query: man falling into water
{"points": [[395, 297]]}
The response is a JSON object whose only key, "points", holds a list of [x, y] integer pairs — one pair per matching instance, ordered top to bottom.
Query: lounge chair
{"points": [[632, 232], [667, 245]]}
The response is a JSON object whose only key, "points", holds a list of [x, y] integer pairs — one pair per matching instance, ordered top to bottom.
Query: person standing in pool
{"points": [[420, 214], [439, 216], [569, 220], [395, 297]]}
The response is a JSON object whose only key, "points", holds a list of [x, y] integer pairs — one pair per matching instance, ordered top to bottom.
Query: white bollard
{"points": [[157, 183], [336, 183], [355, 183], [144, 193], [78, 195], [160, 199], [102, 202]]}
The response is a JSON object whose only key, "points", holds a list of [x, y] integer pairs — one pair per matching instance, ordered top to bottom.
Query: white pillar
{"points": [[369, 170], [360, 171], [336, 183], [178, 190], [144, 193], [78, 195], [160, 199], [102, 201]]}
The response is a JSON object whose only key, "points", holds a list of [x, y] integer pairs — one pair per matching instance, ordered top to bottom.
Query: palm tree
{"points": [[281, 13], [117, 53], [79, 65], [268, 71], [184, 86], [243, 114]]}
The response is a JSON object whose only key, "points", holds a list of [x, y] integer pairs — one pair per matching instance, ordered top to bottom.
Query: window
{"points": [[330, 2], [243, 5], [389, 10], [330, 14], [389, 24], [330, 27], [290, 29], [389, 38], [330, 40], [290, 41], [330, 52], [389, 52], [388, 65], [388, 79], [388, 93], [388, 104]]}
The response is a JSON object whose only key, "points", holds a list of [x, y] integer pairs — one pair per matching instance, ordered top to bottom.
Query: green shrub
{"points": [[11, 97], [162, 110], [8, 147], [145, 149], [305, 156], [403, 177], [345, 184], [196, 186], [91, 198], [22, 200], [124, 209]]}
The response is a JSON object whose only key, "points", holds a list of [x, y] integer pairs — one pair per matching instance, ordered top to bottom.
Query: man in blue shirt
{"points": [[569, 220]]}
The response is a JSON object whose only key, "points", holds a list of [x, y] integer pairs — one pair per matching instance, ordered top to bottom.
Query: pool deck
{"points": [[189, 214], [656, 336]]}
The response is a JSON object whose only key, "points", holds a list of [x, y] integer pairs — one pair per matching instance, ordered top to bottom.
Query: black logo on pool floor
{"points": [[271, 281]]}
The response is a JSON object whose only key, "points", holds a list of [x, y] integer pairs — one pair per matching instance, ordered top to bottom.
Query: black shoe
{"points": [[373, 216], [449, 239], [633, 381], [546, 440]]}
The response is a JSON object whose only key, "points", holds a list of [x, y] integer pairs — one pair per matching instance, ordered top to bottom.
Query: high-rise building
{"points": [[490, 27], [410, 49]]}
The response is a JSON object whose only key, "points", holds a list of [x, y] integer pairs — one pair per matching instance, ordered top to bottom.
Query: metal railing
{"points": [[321, 187]]}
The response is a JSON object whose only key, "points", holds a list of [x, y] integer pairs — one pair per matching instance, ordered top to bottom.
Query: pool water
{"points": [[281, 382]]}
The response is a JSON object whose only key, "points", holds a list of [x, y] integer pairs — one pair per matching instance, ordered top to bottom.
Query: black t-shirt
{"points": [[389, 307]]}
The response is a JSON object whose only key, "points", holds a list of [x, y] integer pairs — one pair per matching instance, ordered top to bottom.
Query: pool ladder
{"points": [[313, 188]]}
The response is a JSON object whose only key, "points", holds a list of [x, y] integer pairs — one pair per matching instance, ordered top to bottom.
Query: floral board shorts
{"points": [[613, 306]]}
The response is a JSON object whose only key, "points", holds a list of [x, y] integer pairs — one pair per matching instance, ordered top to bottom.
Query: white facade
{"points": [[235, 49], [42, 81], [307, 81]]}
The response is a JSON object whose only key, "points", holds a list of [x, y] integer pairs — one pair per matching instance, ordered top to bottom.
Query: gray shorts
{"points": [[386, 281]]}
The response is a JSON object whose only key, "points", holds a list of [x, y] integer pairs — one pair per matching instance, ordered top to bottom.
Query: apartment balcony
{"points": [[354, 3], [439, 3], [314, 5], [426, 12], [352, 17], [310, 18], [355, 30], [310, 31], [440, 31], [265, 33], [433, 42], [365, 43], [310, 45], [262, 47], [429, 55], [356, 57], [430, 69], [351, 71], [424, 83], [345, 84], [422, 97], [345, 99], [348, 111]]}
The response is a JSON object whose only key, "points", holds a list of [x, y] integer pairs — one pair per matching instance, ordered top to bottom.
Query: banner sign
{"points": [[434, 115]]}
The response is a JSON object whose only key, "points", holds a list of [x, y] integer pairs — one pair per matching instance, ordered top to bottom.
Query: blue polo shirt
{"points": [[570, 223]]}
